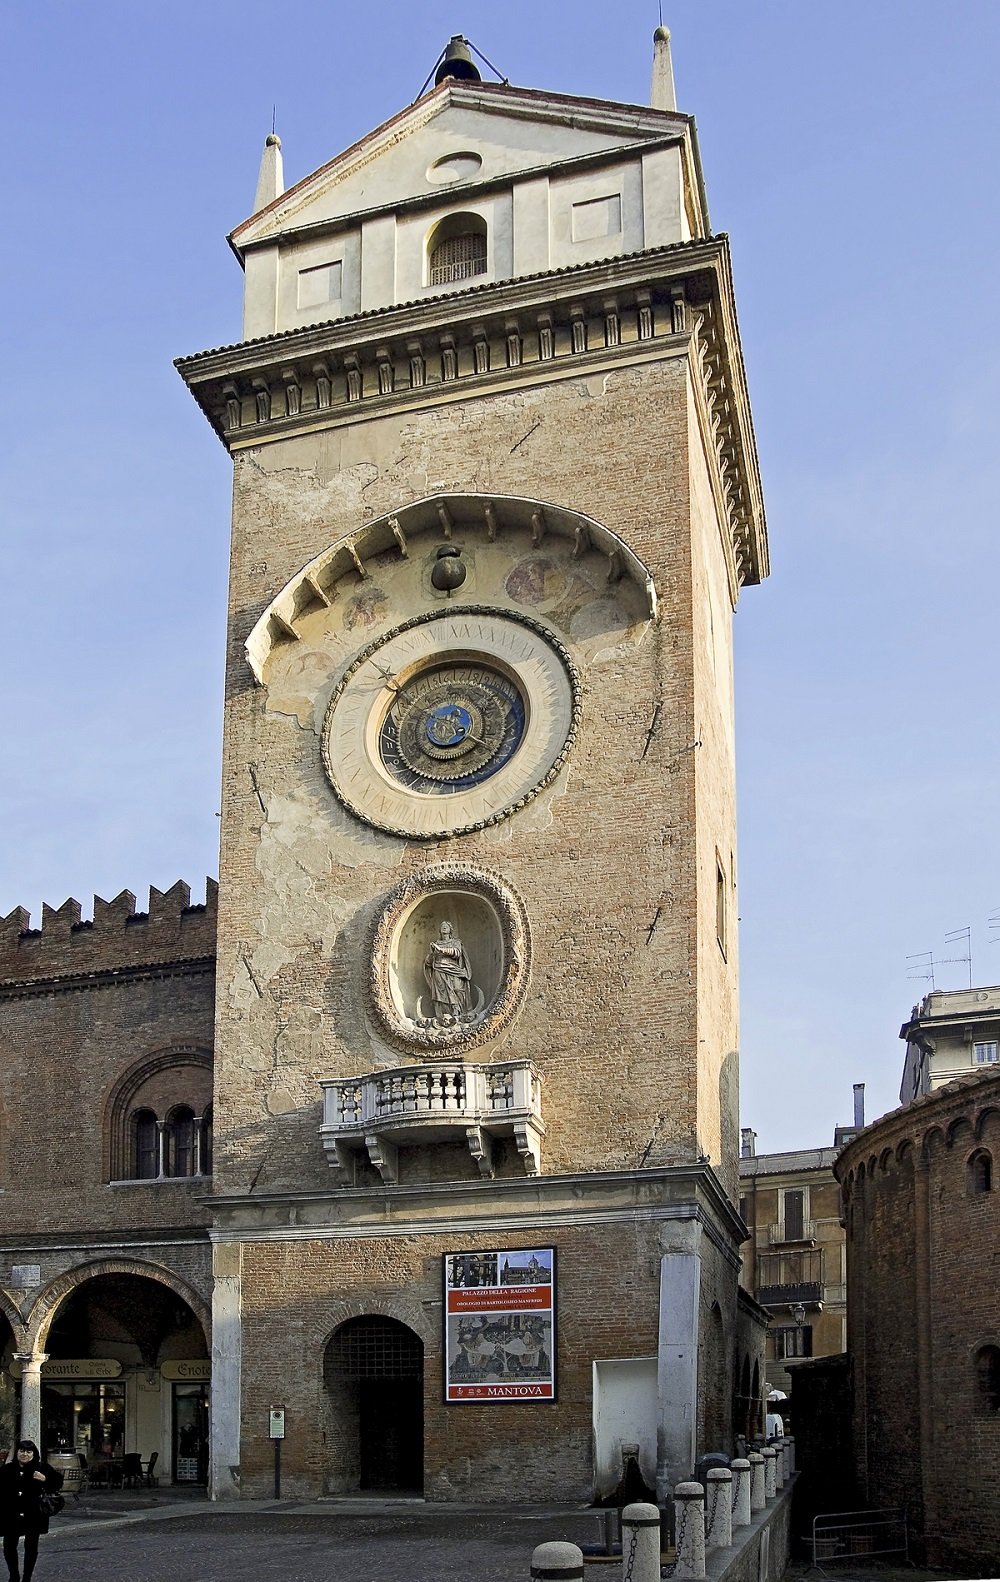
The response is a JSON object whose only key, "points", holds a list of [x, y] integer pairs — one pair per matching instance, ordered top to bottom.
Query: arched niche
{"points": [[345, 565], [462, 928], [450, 956]]}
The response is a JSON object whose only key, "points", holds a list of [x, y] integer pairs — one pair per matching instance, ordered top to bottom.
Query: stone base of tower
{"points": [[361, 1314]]}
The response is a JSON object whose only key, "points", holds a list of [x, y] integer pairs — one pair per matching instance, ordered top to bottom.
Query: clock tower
{"points": [[496, 495]]}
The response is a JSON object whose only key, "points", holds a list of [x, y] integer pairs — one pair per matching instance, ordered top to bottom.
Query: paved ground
{"points": [[163, 1538], [308, 1543], [801, 1571]]}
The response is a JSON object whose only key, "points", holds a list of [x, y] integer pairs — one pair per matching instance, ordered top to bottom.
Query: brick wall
{"points": [[610, 861], [81, 1006], [923, 1247]]}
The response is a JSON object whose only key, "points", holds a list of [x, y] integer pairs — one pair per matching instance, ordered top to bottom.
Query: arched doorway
{"points": [[374, 1375], [127, 1376]]}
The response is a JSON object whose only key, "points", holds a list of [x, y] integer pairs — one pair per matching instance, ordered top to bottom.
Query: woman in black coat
{"points": [[22, 1483]]}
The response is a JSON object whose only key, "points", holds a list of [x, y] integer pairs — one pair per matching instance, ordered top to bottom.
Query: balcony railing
{"points": [[431, 1103], [805, 1230], [808, 1292]]}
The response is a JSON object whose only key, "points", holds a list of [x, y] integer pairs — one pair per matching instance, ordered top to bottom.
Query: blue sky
{"points": [[850, 153]]}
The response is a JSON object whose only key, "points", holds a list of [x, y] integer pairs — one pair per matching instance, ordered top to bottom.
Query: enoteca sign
{"points": [[499, 1325], [187, 1370]]}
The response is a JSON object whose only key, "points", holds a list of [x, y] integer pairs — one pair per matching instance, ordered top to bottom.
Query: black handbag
{"points": [[50, 1504]]}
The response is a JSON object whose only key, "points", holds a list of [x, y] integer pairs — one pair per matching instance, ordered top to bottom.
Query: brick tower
{"points": [[495, 496]]}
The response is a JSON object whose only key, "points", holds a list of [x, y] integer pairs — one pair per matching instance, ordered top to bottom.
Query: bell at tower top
{"points": [[457, 61]]}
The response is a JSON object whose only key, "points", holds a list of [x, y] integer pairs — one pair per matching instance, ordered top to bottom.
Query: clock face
{"points": [[450, 722]]}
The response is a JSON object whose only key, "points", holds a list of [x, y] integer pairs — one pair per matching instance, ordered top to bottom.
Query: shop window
{"points": [[457, 250], [981, 1172], [988, 1379]]}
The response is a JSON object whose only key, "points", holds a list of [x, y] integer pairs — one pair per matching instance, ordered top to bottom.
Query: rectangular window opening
{"points": [[597, 218], [320, 285], [721, 919], [794, 1216]]}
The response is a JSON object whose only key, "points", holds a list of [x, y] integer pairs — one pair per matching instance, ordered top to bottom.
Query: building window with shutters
{"points": [[457, 250], [793, 1215], [793, 1341]]}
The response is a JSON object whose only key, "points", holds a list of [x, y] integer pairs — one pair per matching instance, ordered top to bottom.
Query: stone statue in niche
{"points": [[451, 991]]}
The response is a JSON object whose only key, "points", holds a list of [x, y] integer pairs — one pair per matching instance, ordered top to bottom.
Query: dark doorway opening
{"points": [[375, 1378], [392, 1434]]}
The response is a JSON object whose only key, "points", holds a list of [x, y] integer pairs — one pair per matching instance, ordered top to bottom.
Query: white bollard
{"points": [[786, 1460], [779, 1464], [770, 1477], [741, 1492], [758, 1499], [719, 1508], [689, 1520], [641, 1543], [557, 1562]]}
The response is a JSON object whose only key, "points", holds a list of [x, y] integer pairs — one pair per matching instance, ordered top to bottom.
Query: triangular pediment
{"points": [[456, 138]]}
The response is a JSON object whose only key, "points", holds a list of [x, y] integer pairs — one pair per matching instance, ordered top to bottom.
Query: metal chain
{"points": [[716, 1487], [630, 1562], [668, 1571]]}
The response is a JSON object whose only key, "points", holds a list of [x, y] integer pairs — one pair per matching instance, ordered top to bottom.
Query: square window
{"points": [[319, 285], [985, 1054]]}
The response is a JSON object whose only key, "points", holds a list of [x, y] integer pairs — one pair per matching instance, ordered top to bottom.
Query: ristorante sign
{"points": [[499, 1325], [73, 1368]]}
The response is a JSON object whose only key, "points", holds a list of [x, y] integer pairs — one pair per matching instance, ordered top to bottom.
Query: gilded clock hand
{"points": [[390, 681]]}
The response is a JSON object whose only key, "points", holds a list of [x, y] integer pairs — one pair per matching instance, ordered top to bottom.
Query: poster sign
{"points": [[499, 1325]]}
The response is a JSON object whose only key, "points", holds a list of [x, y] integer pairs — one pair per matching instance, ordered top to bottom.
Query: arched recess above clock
{"points": [[342, 567]]}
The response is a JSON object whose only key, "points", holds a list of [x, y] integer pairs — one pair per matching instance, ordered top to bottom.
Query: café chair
{"points": [[132, 1475]]}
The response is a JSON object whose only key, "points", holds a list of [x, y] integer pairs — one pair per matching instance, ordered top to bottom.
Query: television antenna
{"points": [[961, 936], [924, 964]]}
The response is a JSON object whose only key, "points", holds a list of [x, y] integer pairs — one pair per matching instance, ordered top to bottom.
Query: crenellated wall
{"points": [[118, 937], [90, 1012]]}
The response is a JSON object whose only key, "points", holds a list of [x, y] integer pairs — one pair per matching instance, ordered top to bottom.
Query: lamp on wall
{"points": [[799, 1314]]}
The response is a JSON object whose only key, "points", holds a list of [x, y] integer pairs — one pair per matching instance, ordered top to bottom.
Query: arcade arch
{"points": [[126, 1372]]}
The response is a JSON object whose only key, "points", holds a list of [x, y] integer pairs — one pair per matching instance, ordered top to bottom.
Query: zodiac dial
{"points": [[451, 721]]}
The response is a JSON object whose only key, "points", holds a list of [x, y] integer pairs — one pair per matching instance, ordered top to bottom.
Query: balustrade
{"points": [[422, 1104]]}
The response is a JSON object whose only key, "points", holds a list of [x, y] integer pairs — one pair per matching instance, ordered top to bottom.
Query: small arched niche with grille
{"points": [[457, 249]]}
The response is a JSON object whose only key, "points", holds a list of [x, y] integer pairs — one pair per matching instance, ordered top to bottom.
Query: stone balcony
{"points": [[434, 1102]]}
